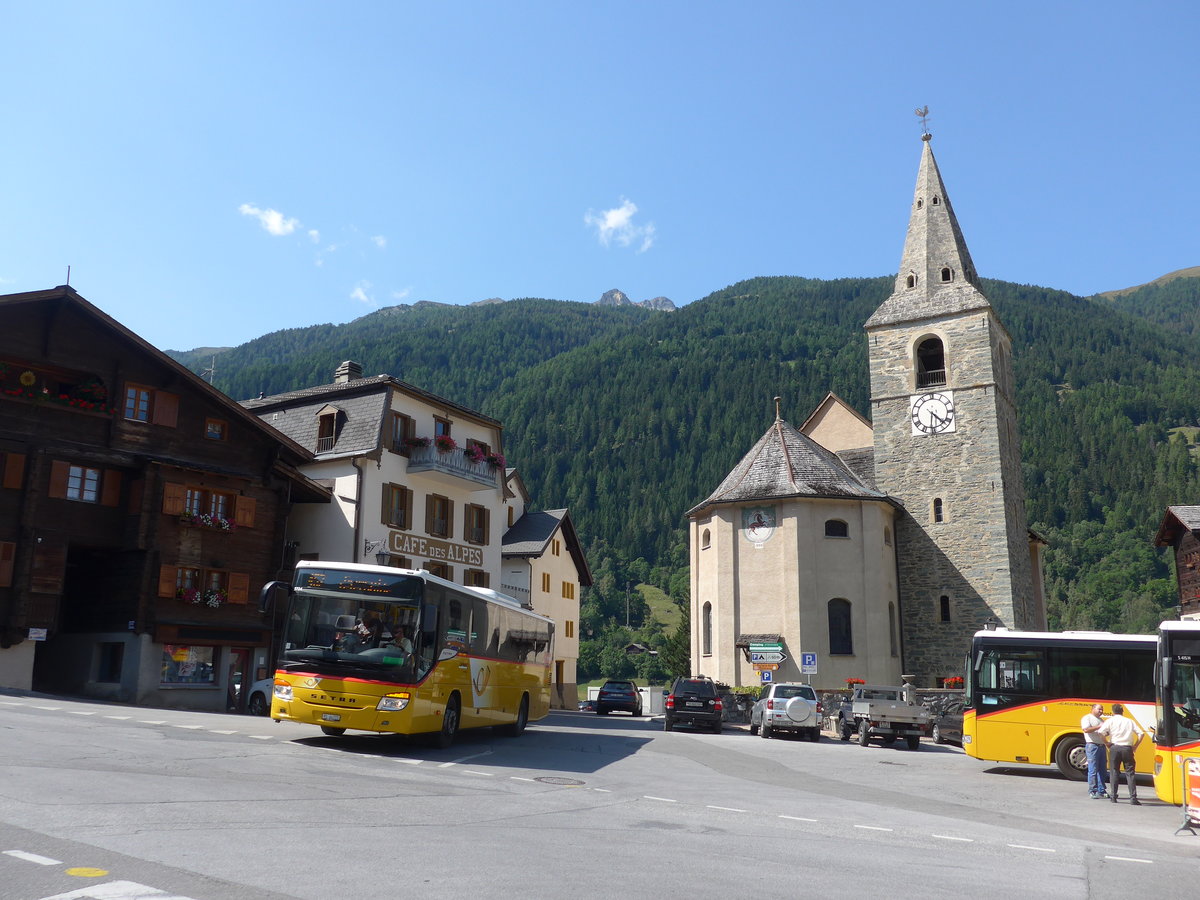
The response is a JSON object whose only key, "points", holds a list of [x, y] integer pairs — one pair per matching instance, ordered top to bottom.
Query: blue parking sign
{"points": [[808, 663], [765, 675]]}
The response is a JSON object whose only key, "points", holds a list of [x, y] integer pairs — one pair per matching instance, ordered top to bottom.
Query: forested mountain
{"points": [[630, 416]]}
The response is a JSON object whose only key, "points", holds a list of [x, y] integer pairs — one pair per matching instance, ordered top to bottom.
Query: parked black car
{"points": [[619, 695], [693, 700], [587, 705], [947, 722]]}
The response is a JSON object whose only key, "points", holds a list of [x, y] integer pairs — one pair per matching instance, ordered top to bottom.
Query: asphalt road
{"points": [[112, 802]]}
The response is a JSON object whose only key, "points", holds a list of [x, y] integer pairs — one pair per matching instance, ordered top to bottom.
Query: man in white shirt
{"points": [[1123, 737], [1097, 756]]}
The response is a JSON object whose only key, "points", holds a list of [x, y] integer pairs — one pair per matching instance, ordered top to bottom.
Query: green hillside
{"points": [[630, 417]]}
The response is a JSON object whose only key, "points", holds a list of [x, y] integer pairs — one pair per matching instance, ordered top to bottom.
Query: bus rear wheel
{"points": [[517, 728], [449, 730], [1071, 757]]}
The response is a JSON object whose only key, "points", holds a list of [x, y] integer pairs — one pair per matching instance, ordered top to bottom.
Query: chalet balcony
{"points": [[452, 467]]}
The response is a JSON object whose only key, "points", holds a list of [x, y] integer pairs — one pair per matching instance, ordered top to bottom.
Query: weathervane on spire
{"points": [[923, 112]]}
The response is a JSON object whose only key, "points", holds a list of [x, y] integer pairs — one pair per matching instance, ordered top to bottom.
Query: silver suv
{"points": [[787, 707]]}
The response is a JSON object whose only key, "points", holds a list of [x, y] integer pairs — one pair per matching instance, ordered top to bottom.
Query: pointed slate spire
{"points": [[937, 276]]}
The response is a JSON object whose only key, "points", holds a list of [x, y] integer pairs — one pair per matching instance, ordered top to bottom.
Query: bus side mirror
{"points": [[272, 591]]}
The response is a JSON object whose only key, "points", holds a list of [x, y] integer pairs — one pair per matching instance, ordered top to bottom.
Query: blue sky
{"points": [[216, 171]]}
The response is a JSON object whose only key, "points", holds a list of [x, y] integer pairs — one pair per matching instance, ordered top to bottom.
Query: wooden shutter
{"points": [[165, 409], [14, 470], [59, 472], [110, 488], [173, 499], [429, 500], [385, 505], [244, 509], [408, 509], [449, 519], [487, 524], [8, 552], [167, 576], [239, 587]]}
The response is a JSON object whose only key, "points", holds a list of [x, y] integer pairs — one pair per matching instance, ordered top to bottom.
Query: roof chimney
{"points": [[347, 371]]}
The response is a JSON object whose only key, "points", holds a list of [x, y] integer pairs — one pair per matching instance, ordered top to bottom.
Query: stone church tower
{"points": [[946, 444]]}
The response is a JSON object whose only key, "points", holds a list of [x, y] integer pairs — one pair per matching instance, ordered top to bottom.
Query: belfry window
{"points": [[936, 201], [920, 203], [947, 275], [911, 280], [931, 363], [939, 514]]}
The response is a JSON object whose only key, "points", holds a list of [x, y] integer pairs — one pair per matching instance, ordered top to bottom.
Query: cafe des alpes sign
{"points": [[402, 544]]}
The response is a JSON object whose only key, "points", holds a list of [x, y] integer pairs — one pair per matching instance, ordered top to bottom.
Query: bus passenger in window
{"points": [[368, 631]]}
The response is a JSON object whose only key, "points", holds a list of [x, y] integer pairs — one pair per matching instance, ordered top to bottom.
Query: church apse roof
{"points": [[787, 464]]}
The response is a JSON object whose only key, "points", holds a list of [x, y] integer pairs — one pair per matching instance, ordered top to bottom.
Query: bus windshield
{"points": [[354, 619], [1183, 688]]}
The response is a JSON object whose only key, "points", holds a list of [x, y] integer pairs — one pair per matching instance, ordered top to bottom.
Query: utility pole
{"points": [[627, 587]]}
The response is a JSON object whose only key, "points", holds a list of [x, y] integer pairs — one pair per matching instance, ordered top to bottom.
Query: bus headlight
{"points": [[282, 691], [393, 702], [1157, 765]]}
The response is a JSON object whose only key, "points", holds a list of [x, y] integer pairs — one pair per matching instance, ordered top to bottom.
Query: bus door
{"points": [[1009, 713]]}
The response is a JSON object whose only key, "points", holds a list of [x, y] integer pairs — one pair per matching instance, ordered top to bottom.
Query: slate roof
{"points": [[933, 241], [361, 405], [786, 464], [1176, 521], [530, 536]]}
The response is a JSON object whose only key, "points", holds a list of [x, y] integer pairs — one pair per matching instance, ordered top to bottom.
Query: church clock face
{"points": [[933, 413], [758, 523]]}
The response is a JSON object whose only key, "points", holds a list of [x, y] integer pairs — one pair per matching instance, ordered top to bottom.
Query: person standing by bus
{"points": [[1123, 738], [1097, 755]]}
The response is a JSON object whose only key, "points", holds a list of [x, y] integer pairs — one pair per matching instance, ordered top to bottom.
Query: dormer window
{"points": [[936, 201], [947, 275], [911, 280], [327, 421]]}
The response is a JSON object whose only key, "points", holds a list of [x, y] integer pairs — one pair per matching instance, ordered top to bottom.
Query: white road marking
{"points": [[50, 708], [80, 712], [121, 718], [151, 722], [189, 727], [215, 731], [261, 737], [410, 762], [484, 774], [519, 778], [602, 790], [662, 799], [727, 808], [798, 818], [874, 828], [950, 837], [1027, 847], [33, 858], [1131, 859], [117, 890]]}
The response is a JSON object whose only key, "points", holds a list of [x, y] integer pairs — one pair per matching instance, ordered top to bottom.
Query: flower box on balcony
{"points": [[204, 520]]}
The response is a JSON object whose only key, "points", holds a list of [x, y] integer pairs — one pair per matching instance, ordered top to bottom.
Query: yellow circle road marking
{"points": [[87, 872]]}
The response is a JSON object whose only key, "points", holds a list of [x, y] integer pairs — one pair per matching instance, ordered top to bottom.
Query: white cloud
{"points": [[272, 220], [617, 225], [314, 235], [379, 241], [361, 293], [401, 294]]}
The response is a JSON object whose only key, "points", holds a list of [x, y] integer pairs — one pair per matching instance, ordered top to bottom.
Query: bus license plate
{"points": [[330, 717]]}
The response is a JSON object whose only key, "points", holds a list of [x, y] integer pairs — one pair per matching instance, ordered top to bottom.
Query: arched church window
{"points": [[936, 201], [920, 203], [947, 275], [911, 280], [931, 363], [939, 514], [836, 528], [705, 539], [944, 604], [706, 636], [841, 638]]}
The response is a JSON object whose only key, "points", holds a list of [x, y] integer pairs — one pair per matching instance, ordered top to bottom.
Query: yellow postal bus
{"points": [[376, 648], [1026, 692], [1177, 741]]}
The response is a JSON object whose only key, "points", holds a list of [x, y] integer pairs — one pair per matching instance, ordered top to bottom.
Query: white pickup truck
{"points": [[884, 713]]}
